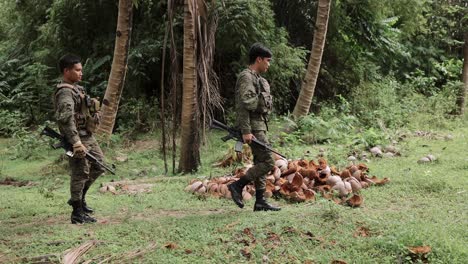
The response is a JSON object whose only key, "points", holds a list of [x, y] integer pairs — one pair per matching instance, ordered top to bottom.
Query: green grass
{"points": [[424, 204]]}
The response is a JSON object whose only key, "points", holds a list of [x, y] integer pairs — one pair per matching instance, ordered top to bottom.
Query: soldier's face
{"points": [[263, 64], [73, 74]]}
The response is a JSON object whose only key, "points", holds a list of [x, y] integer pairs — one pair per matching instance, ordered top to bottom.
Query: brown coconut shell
{"points": [[322, 163], [312, 165], [363, 167], [352, 168], [290, 170], [308, 173], [345, 174], [323, 177], [297, 181], [378, 181], [270, 186], [213, 187], [323, 188], [284, 190], [268, 194], [309, 195], [297, 196], [355, 201]]}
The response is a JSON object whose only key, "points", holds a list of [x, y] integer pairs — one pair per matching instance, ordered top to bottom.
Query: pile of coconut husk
{"points": [[298, 181]]}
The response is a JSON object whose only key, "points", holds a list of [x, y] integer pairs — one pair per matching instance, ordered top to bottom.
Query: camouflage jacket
{"points": [[68, 101], [253, 102]]}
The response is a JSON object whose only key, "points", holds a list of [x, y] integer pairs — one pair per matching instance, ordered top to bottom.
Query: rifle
{"points": [[237, 135], [69, 148]]}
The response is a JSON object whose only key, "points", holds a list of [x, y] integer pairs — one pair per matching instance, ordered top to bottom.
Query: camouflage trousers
{"points": [[263, 162], [83, 171]]}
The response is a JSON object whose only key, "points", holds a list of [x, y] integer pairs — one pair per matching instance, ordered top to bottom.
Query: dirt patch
{"points": [[16, 183], [157, 214]]}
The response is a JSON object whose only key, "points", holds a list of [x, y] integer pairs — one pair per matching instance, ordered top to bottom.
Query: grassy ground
{"points": [[424, 204]]}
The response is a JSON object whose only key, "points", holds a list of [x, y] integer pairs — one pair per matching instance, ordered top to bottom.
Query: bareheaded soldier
{"points": [[253, 105], [77, 117]]}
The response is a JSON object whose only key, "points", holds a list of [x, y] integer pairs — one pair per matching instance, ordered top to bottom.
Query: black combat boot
{"points": [[236, 191], [261, 204], [86, 209], [77, 215]]}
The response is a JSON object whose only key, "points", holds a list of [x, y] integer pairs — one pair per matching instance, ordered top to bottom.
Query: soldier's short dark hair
{"points": [[258, 50], [67, 61]]}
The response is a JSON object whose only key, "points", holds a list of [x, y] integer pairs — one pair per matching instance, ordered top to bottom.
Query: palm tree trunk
{"points": [[119, 68], [308, 85], [464, 88], [190, 141]]}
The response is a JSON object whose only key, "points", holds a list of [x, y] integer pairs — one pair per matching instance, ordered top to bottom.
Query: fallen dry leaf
{"points": [[362, 232], [171, 246], [73, 255]]}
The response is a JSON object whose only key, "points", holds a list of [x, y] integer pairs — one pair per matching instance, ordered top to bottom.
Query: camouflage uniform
{"points": [[253, 105], [74, 119]]}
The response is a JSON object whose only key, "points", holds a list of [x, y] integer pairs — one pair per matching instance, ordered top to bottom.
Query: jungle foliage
{"points": [[378, 54]]}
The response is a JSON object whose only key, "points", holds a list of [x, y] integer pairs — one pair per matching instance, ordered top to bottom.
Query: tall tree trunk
{"points": [[119, 68], [308, 85], [463, 89], [190, 140]]}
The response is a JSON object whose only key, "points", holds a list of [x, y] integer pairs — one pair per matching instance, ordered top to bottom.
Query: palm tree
{"points": [[119, 68], [308, 85], [190, 139]]}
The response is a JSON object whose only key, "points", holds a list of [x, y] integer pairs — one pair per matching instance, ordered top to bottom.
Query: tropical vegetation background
{"points": [[347, 75]]}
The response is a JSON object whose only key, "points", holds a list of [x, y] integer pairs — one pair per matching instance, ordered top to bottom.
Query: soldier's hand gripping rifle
{"points": [[237, 135], [69, 148]]}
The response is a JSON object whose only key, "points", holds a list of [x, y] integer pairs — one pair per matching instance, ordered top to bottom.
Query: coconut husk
{"points": [[281, 164], [323, 164], [313, 165], [363, 167], [352, 168], [290, 170], [334, 170], [276, 173], [308, 173], [345, 174], [358, 174], [322, 177], [271, 178], [332, 180], [297, 181], [378, 181], [355, 184], [364, 184], [340, 187], [284, 190], [309, 194], [246, 195], [297, 196], [355, 201], [419, 253]]}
